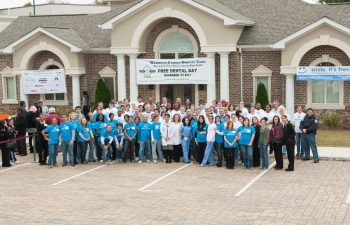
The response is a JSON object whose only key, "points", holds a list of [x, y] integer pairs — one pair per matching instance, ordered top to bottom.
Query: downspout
{"points": [[241, 70]]}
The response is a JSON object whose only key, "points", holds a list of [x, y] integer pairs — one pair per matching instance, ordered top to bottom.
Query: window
{"points": [[262, 75], [109, 77], [110, 84], [8, 86], [324, 94], [57, 96]]}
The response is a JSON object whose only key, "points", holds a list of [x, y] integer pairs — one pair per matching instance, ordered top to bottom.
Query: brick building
{"points": [[247, 41]]}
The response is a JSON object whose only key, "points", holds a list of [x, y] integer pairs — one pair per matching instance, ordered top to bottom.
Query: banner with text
{"points": [[173, 71], [323, 73], [43, 81]]}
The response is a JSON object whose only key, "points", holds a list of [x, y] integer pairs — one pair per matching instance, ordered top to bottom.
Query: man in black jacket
{"points": [[309, 126], [5, 151]]}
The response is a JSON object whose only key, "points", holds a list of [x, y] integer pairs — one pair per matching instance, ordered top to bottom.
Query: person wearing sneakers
{"points": [[297, 118], [309, 126], [167, 132], [52, 134], [107, 138], [144, 138], [156, 140]]}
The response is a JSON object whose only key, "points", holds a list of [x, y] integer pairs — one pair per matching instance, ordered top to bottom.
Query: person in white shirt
{"points": [[139, 101], [275, 105], [111, 109], [243, 109], [176, 110], [282, 111], [182, 113], [261, 113], [252, 114], [297, 118], [167, 131], [177, 138], [209, 150]]}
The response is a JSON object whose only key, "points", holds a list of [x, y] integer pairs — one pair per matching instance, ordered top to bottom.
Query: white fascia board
{"points": [[109, 24], [282, 43], [9, 49]]}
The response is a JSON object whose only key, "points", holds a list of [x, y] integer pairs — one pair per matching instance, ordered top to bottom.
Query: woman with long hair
{"points": [[186, 131], [246, 134], [276, 136], [177, 137], [201, 137], [83, 139], [219, 139], [289, 141], [41, 144], [230, 144], [209, 150], [256, 151]]}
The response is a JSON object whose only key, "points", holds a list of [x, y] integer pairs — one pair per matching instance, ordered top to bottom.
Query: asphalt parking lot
{"points": [[174, 194]]}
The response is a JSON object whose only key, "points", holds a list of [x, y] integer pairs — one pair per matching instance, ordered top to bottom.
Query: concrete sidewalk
{"points": [[334, 153]]}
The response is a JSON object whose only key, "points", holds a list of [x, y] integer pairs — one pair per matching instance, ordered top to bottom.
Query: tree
{"points": [[28, 4], [102, 93], [261, 95]]}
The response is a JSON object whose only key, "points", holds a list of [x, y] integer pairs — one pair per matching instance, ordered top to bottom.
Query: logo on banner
{"points": [[147, 72]]}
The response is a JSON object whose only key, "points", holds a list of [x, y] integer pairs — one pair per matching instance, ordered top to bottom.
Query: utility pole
{"points": [[34, 7]]}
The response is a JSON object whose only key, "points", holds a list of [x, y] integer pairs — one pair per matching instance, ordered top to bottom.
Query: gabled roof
{"points": [[229, 16]]}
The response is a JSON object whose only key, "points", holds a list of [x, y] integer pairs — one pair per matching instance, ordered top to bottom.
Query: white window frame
{"points": [[44, 66], [108, 72], [261, 72], [5, 74], [310, 104]]}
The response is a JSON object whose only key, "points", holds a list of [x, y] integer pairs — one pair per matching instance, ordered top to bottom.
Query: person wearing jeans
{"points": [[297, 118], [309, 127], [67, 131], [130, 132], [51, 134], [186, 134], [246, 134], [276, 135], [107, 138], [144, 138], [83, 139], [219, 139], [156, 140], [91, 142], [119, 142], [264, 143], [230, 144], [194, 147], [209, 150]]}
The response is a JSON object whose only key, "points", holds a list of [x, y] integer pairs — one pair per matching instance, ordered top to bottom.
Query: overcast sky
{"points": [[16, 3]]}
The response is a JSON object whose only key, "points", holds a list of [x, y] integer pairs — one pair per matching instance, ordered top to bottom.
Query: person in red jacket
{"points": [[52, 115]]}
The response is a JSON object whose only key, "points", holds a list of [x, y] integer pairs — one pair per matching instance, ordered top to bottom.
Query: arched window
{"points": [[176, 45]]}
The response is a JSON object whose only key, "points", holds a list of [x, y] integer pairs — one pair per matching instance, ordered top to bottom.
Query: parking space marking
{"points": [[14, 167], [79, 175], [245, 188], [143, 189], [348, 198]]}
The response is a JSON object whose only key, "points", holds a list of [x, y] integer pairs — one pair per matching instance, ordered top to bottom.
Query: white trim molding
{"points": [[325, 20], [10, 48], [50, 62], [261, 71], [108, 72], [5, 74], [340, 105]]}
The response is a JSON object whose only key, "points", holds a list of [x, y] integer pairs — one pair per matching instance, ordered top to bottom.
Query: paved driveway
{"points": [[174, 194]]}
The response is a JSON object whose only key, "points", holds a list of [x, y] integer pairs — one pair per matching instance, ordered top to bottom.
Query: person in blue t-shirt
{"points": [[114, 124], [99, 127], [130, 132], [52, 134], [186, 134], [246, 134], [201, 137], [144, 138], [83, 139], [219, 139], [67, 140], [106, 140], [156, 140], [91, 142], [119, 142], [230, 144], [194, 147]]}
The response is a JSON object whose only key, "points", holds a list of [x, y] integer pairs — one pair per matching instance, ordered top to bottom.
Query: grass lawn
{"points": [[333, 138]]}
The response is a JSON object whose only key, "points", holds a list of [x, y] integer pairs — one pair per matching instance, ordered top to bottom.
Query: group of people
{"points": [[210, 134]]}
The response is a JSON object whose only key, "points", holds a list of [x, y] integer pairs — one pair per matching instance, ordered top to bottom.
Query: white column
{"points": [[224, 76], [121, 77], [211, 88], [76, 90], [134, 91], [158, 93], [290, 93], [196, 95], [23, 97]]}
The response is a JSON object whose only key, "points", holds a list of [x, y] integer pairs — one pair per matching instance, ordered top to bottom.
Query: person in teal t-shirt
{"points": [[52, 134], [246, 134], [230, 144]]}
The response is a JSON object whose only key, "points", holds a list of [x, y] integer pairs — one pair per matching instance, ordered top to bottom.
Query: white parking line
{"points": [[14, 167], [78, 175], [163, 177], [245, 188], [348, 198]]}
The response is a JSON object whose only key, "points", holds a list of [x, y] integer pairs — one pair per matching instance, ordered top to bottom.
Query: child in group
{"points": [[52, 134], [119, 140]]}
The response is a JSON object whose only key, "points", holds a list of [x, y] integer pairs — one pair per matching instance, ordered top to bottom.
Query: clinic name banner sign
{"points": [[173, 71], [323, 73], [43, 81]]}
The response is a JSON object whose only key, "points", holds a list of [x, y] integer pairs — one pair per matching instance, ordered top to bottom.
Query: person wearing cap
{"points": [[52, 115]]}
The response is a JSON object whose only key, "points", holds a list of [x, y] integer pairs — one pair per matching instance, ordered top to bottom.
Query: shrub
{"points": [[102, 93], [261, 96], [332, 121]]}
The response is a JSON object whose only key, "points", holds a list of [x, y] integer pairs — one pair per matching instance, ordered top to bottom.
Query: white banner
{"points": [[173, 71], [323, 73], [43, 81]]}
